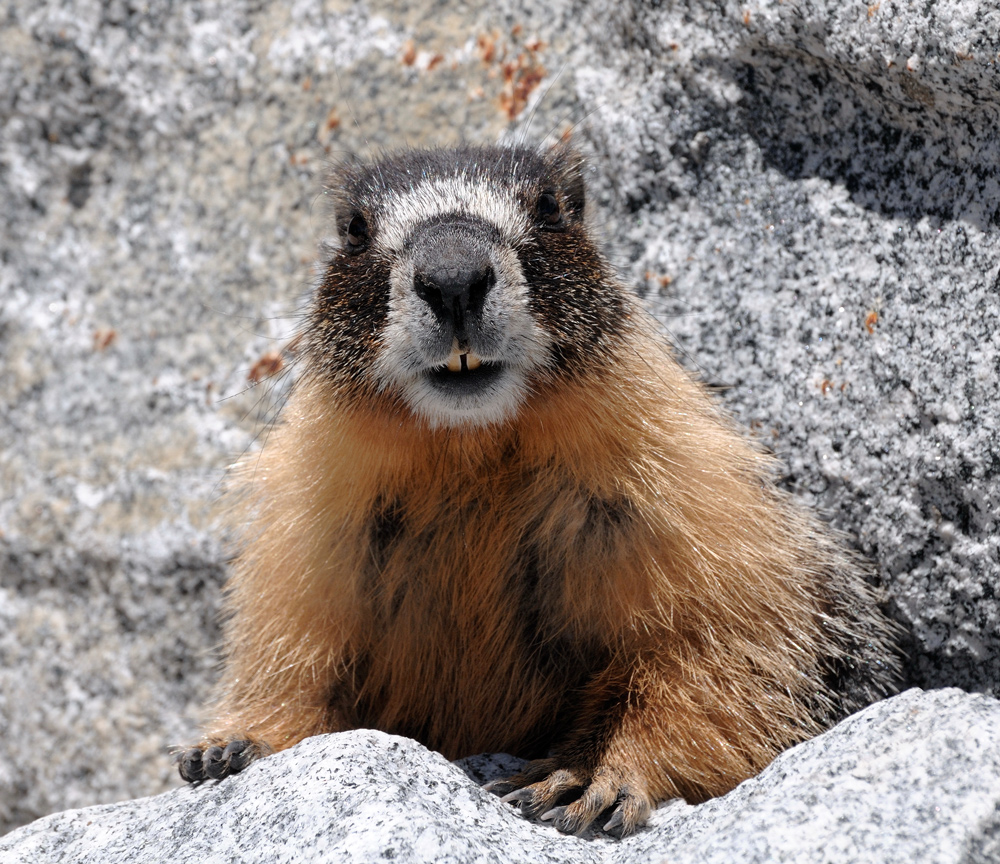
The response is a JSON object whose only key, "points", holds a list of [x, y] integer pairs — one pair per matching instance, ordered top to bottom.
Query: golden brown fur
{"points": [[610, 581], [720, 634]]}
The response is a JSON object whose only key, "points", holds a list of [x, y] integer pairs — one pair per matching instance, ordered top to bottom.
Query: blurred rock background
{"points": [[807, 195]]}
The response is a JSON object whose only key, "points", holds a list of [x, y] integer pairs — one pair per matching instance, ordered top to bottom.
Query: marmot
{"points": [[499, 516]]}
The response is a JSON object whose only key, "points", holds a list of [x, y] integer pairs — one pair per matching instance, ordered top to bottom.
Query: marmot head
{"points": [[464, 281]]}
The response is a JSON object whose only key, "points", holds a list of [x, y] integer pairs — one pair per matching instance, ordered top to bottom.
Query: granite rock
{"points": [[810, 193], [806, 194], [913, 779]]}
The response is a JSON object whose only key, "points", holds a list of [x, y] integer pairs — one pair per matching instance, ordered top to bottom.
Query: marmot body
{"points": [[498, 516]]}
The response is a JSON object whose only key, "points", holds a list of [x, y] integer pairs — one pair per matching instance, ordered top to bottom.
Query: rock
{"points": [[807, 195], [913, 779]]}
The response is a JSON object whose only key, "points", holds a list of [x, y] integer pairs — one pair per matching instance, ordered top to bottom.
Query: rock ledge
{"points": [[915, 778]]}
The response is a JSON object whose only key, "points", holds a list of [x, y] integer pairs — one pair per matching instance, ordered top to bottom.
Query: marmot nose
{"points": [[452, 274]]}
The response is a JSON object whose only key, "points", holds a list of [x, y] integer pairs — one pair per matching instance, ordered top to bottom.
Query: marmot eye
{"points": [[548, 208], [357, 234]]}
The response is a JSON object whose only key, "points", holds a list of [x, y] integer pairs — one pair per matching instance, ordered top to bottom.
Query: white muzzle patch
{"points": [[481, 374]]}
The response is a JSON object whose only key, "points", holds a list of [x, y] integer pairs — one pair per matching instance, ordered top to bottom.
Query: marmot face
{"points": [[475, 265]]}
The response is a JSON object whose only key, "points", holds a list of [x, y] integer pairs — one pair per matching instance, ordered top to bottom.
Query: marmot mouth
{"points": [[458, 362], [464, 372]]}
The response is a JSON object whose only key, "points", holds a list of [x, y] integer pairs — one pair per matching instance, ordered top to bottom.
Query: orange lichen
{"points": [[487, 47], [521, 77], [104, 338], [270, 363]]}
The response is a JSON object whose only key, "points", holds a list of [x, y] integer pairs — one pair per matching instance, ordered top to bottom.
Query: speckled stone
{"points": [[161, 168], [806, 193], [810, 195], [910, 780]]}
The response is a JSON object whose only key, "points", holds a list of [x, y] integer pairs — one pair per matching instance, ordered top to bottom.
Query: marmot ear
{"points": [[570, 165], [341, 181]]}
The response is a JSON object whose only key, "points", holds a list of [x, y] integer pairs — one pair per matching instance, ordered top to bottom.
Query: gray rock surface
{"points": [[819, 184], [806, 193], [913, 779]]}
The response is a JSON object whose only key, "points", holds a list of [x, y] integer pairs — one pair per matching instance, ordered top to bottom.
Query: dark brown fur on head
{"points": [[499, 516]]}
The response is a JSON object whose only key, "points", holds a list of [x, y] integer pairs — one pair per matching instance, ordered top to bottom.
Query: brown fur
{"points": [[611, 581], [701, 604]]}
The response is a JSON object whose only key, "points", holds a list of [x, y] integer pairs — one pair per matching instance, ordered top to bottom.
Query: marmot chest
{"points": [[466, 647]]}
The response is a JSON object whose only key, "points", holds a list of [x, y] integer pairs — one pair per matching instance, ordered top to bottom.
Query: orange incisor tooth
{"points": [[472, 361], [454, 362]]}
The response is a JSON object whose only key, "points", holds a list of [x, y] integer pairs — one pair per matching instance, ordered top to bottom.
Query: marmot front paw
{"points": [[215, 761], [540, 788]]}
